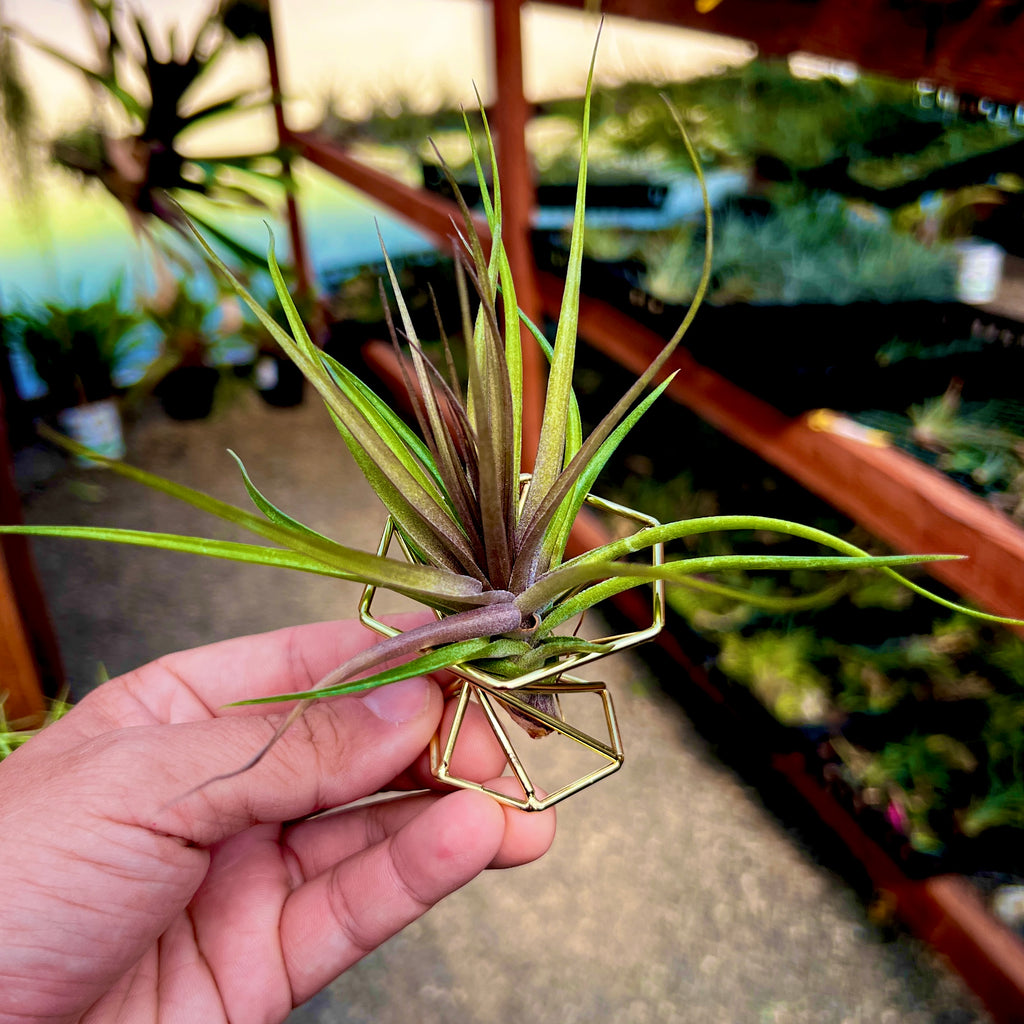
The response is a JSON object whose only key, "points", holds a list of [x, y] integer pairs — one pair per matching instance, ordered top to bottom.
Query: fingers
{"points": [[477, 754], [528, 834], [322, 842], [426, 847], [234, 917]]}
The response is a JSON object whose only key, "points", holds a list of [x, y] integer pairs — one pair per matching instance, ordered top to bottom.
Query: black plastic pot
{"points": [[623, 195], [278, 381], [186, 393], [996, 850]]}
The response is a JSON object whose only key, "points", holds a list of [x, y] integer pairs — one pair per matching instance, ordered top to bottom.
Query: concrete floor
{"points": [[671, 894]]}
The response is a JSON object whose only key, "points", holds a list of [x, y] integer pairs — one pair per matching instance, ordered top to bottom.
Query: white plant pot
{"points": [[980, 270], [97, 425]]}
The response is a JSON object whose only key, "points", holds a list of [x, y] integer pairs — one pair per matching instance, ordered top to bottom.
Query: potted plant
{"points": [[75, 349], [184, 374], [484, 545]]}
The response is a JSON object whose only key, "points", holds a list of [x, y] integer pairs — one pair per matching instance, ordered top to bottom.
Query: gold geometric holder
{"points": [[492, 692], [611, 751]]}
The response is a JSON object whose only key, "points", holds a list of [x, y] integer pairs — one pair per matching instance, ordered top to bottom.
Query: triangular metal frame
{"points": [[611, 750]]}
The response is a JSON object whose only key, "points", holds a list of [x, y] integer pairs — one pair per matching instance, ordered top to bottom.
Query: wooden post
{"points": [[518, 200], [300, 254], [30, 661], [19, 679]]}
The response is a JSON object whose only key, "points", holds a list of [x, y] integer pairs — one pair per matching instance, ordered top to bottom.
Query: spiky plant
{"points": [[147, 165], [486, 546]]}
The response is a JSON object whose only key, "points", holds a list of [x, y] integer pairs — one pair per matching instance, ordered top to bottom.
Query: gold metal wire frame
{"points": [[492, 692], [533, 799]]}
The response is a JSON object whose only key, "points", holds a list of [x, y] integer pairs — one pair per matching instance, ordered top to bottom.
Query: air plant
{"points": [[147, 166], [485, 545]]}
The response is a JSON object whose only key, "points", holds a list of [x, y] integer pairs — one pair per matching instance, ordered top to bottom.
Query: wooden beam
{"points": [[841, 26], [898, 43], [949, 53], [300, 253], [30, 661], [19, 680]]}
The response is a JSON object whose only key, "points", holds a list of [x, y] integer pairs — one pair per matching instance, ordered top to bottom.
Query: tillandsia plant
{"points": [[485, 544]]}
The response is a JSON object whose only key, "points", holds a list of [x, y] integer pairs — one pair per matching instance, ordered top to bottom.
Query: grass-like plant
{"points": [[75, 347], [486, 545], [15, 732]]}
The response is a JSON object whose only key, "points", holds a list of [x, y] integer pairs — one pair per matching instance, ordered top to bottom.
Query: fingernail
{"points": [[398, 702]]}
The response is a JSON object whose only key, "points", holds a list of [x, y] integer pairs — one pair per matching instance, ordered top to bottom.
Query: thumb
{"points": [[186, 776]]}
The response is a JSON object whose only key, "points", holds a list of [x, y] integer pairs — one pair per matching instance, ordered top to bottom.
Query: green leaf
{"points": [[239, 250], [500, 277], [291, 312], [345, 378], [491, 400], [551, 445], [413, 454], [395, 473], [415, 508], [271, 511], [563, 522], [536, 523], [710, 524], [230, 550], [567, 578], [435, 587], [779, 603], [549, 650], [433, 661]]}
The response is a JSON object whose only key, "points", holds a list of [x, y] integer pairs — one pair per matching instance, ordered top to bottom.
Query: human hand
{"points": [[124, 901]]}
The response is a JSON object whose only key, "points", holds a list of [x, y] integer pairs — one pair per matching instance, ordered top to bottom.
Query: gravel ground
{"points": [[671, 895]]}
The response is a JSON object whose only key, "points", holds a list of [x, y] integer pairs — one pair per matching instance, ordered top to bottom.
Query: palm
{"points": [[133, 902]]}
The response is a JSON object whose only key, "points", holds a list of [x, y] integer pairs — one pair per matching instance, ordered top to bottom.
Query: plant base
{"points": [[494, 693], [609, 750]]}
